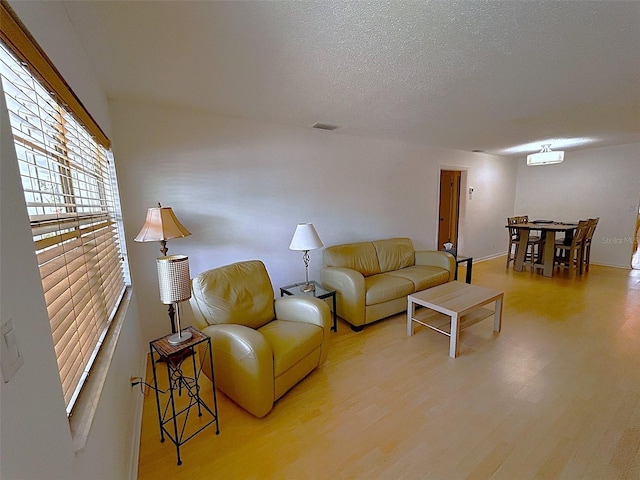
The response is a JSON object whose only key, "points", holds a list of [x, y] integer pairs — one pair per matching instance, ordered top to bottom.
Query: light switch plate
{"points": [[11, 357]]}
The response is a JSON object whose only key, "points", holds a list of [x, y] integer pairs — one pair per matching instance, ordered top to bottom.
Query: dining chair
{"points": [[535, 238], [534, 244], [586, 245], [512, 251], [570, 256]]}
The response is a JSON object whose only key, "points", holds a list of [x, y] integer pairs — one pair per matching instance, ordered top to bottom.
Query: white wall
{"points": [[599, 182], [241, 187], [32, 409], [35, 438]]}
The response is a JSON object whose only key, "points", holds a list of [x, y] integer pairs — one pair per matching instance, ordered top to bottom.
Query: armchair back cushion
{"points": [[240, 293]]}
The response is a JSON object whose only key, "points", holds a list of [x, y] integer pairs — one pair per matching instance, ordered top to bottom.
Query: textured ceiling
{"points": [[486, 75]]}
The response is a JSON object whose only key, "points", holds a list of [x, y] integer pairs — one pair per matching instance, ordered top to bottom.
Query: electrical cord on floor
{"points": [[144, 386]]}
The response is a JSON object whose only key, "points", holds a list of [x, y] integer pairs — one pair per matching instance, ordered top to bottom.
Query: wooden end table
{"points": [[469, 261]]}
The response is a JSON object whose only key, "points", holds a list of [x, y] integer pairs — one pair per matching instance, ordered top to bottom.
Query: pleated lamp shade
{"points": [[161, 224]]}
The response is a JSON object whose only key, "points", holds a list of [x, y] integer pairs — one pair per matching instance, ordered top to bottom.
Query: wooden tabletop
{"points": [[557, 226]]}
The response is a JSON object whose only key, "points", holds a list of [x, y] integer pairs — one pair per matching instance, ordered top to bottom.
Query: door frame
{"points": [[449, 207], [462, 207], [635, 254]]}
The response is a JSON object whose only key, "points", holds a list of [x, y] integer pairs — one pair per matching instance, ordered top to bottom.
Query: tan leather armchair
{"points": [[261, 347]]}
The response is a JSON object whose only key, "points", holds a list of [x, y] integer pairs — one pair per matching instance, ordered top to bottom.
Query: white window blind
{"points": [[71, 196]]}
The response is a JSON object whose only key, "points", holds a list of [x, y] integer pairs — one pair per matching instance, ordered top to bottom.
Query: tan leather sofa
{"points": [[373, 279], [261, 347]]}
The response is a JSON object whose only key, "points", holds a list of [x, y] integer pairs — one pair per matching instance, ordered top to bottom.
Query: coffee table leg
{"points": [[410, 312], [497, 316], [455, 332]]}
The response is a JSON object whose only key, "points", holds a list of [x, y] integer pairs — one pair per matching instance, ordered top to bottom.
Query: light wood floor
{"points": [[555, 395]]}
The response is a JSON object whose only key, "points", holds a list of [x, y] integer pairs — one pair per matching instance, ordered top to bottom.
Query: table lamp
{"points": [[162, 225], [306, 238], [175, 287]]}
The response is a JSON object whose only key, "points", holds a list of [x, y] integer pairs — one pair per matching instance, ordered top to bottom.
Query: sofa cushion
{"points": [[394, 253], [361, 257], [423, 276], [384, 287], [290, 342]]}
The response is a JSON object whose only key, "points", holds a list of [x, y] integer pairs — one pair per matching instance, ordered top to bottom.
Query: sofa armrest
{"points": [[437, 258], [350, 292], [308, 310], [243, 364]]}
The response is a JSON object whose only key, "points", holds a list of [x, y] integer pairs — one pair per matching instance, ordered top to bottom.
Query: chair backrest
{"points": [[593, 223], [513, 232], [581, 232], [240, 293]]}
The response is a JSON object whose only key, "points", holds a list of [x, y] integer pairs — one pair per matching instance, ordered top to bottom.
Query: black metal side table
{"points": [[469, 261], [320, 292], [184, 363]]}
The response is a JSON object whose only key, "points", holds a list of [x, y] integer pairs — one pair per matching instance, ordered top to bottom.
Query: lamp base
{"points": [[307, 287], [179, 337]]}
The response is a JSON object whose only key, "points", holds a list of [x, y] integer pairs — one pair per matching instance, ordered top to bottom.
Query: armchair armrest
{"points": [[436, 258], [350, 292], [304, 309], [243, 360]]}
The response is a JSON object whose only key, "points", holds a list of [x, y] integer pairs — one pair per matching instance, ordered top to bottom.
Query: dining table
{"points": [[549, 230]]}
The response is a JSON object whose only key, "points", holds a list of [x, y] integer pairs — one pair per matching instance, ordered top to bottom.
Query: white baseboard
{"points": [[488, 257], [600, 264]]}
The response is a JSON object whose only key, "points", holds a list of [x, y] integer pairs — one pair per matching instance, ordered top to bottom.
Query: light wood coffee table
{"points": [[452, 306]]}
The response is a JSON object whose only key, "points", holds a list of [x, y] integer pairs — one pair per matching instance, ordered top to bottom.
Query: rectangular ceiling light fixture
{"points": [[545, 157]]}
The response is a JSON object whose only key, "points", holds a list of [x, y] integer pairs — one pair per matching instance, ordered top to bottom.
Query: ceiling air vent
{"points": [[325, 126]]}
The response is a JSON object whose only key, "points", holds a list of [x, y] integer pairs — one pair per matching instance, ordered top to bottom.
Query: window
{"points": [[69, 186]]}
